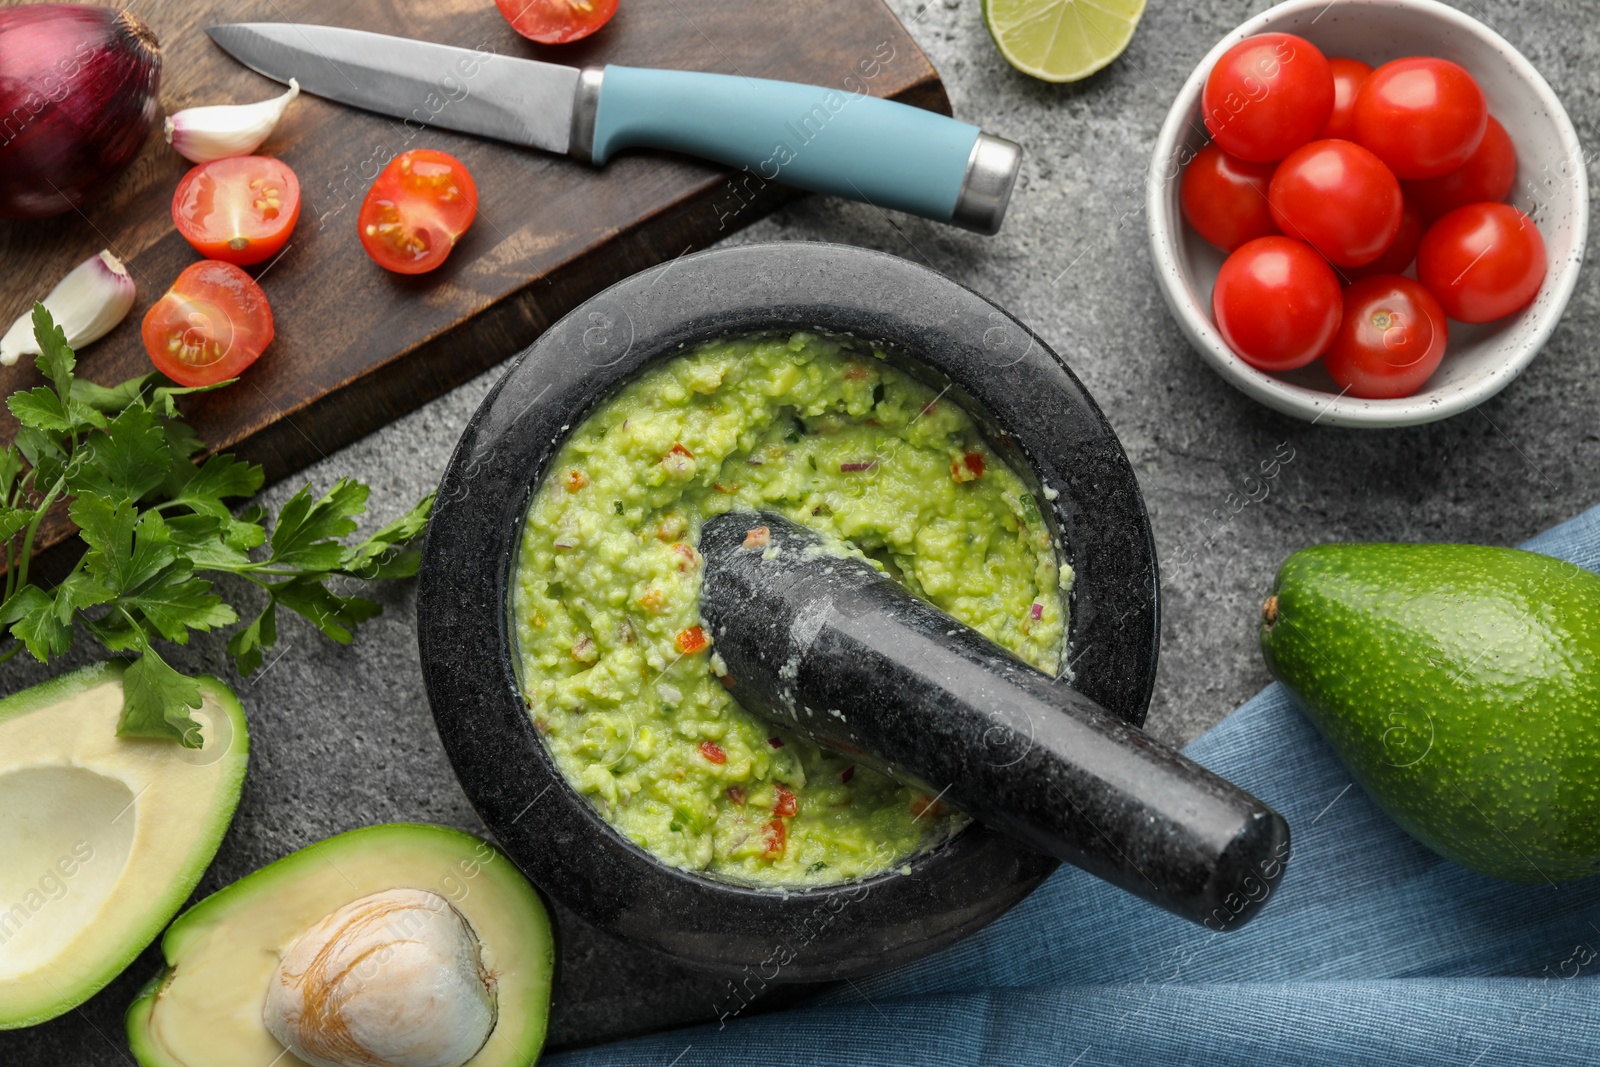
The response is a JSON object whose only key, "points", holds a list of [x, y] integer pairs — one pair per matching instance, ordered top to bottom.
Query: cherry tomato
{"points": [[556, 21], [1348, 76], [1267, 96], [1422, 116], [1486, 175], [1339, 198], [1225, 199], [422, 202], [239, 210], [1401, 251], [1482, 262], [1277, 303], [213, 323], [1390, 340]]}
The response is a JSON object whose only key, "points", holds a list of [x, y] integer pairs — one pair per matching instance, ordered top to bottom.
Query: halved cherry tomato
{"points": [[556, 21], [1348, 76], [1267, 96], [1422, 116], [1486, 175], [1225, 198], [1339, 198], [422, 202], [239, 210], [1401, 251], [1482, 261], [1277, 303], [213, 323], [1390, 340]]}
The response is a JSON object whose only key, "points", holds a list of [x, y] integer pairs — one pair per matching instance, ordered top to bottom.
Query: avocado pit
{"points": [[392, 979]]}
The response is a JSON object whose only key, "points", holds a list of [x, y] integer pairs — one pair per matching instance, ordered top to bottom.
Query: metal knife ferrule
{"points": [[585, 106]]}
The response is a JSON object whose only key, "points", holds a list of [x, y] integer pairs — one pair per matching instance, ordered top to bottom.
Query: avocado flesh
{"points": [[1460, 684], [102, 838], [206, 1007]]}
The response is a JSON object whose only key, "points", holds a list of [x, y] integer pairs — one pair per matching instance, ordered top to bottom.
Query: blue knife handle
{"points": [[826, 140]]}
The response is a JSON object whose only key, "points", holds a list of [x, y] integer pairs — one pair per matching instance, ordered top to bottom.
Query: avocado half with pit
{"points": [[102, 838], [394, 944]]}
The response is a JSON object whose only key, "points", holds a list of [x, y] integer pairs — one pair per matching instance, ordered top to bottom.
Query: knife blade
{"points": [[521, 101], [838, 141]]}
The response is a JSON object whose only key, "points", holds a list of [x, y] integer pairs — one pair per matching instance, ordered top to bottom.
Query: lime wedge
{"points": [[1061, 40]]}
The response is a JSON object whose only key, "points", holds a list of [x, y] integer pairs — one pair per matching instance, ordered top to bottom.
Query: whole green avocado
{"points": [[1461, 686]]}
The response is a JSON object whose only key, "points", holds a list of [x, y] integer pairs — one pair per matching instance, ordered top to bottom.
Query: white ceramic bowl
{"points": [[1551, 186]]}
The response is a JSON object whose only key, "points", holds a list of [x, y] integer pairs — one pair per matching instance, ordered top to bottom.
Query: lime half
{"points": [[1061, 40]]}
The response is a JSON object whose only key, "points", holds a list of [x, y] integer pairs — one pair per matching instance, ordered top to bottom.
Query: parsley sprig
{"points": [[153, 521]]}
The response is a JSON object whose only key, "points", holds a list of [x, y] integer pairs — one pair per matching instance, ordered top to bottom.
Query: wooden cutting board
{"points": [[357, 346]]}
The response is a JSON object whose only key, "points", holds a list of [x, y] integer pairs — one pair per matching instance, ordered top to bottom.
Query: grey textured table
{"points": [[342, 736]]}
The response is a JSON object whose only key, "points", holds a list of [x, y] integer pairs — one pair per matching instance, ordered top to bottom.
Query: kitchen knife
{"points": [[834, 141]]}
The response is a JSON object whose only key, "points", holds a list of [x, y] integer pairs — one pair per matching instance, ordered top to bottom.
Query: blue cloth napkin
{"points": [[1375, 951]]}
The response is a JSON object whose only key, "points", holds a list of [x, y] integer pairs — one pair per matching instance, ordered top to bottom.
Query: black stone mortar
{"points": [[1033, 412]]}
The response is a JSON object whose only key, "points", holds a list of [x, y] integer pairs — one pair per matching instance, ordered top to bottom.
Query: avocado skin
{"points": [[1460, 684]]}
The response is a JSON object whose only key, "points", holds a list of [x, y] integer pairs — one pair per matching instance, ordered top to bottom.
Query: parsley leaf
{"points": [[55, 360], [163, 391], [112, 400], [40, 408], [39, 446], [127, 460], [10, 468], [217, 479], [13, 521], [305, 531], [382, 555], [80, 590], [178, 602], [32, 612], [336, 616], [246, 645], [156, 701]]}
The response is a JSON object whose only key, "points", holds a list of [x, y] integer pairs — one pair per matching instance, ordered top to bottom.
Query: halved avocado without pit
{"points": [[102, 838], [224, 955]]}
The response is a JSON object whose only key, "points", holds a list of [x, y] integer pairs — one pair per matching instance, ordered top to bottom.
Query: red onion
{"points": [[77, 97]]}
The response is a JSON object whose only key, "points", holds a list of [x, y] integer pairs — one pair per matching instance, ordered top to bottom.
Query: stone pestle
{"points": [[834, 649]]}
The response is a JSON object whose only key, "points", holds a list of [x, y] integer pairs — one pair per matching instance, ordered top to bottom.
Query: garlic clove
{"points": [[201, 134], [93, 297], [394, 979]]}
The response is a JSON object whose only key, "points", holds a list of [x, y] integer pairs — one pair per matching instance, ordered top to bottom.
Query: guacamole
{"points": [[621, 679]]}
